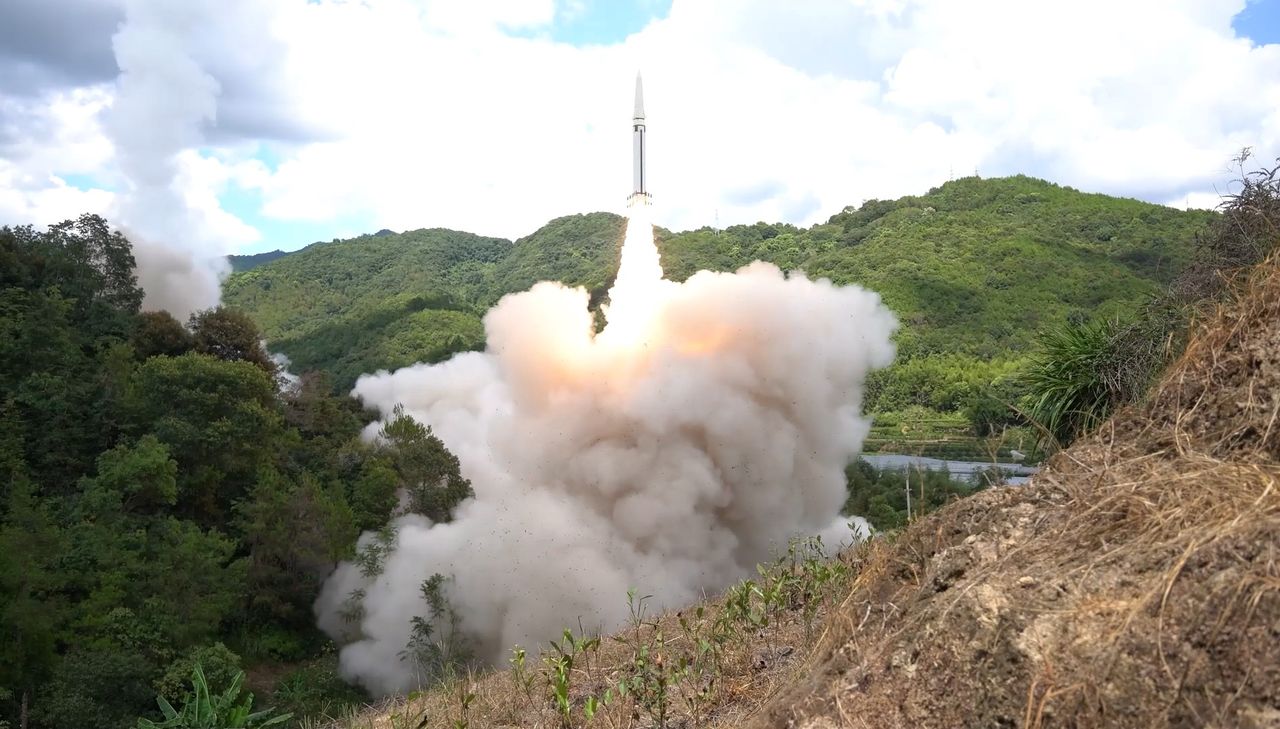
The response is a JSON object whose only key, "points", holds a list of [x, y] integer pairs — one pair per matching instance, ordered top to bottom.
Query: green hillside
{"points": [[973, 268]]}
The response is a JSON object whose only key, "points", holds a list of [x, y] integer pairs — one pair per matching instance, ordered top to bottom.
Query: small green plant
{"points": [[740, 606], [437, 646], [568, 654], [703, 660], [558, 672], [651, 674], [523, 678], [466, 697], [204, 710], [409, 718]]}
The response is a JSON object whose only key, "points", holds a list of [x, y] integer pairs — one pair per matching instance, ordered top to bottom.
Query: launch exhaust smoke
{"points": [[708, 423]]}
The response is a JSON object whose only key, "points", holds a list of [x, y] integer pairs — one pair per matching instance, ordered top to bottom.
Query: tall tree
{"points": [[157, 332], [230, 335], [296, 532]]}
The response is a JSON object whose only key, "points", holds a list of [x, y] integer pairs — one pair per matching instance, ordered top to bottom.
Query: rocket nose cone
{"points": [[639, 113]]}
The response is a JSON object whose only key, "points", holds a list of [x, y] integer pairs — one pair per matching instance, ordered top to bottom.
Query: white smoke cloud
{"points": [[163, 100], [177, 280], [286, 380], [706, 425]]}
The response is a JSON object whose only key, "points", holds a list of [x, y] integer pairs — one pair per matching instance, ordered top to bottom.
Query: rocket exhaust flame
{"points": [[636, 296], [707, 423]]}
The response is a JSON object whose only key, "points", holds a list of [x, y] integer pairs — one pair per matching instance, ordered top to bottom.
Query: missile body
{"points": [[639, 192]]}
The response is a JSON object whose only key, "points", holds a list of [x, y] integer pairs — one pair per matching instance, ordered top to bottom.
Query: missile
{"points": [[639, 194]]}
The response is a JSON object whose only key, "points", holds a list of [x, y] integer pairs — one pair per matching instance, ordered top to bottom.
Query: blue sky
{"points": [[606, 21], [1260, 21]]}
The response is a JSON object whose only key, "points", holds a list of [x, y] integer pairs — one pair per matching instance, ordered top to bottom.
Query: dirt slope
{"points": [[1136, 583]]}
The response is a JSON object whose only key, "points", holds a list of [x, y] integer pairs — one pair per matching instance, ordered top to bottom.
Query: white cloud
{"points": [[417, 113], [43, 141], [26, 199]]}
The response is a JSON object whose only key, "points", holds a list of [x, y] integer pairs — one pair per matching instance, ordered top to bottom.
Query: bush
{"points": [[1084, 372], [1068, 385], [272, 643], [220, 667], [316, 690], [207, 710]]}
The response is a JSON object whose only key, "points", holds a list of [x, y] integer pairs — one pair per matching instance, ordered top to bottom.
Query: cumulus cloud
{"points": [[48, 45], [842, 101], [439, 112], [708, 423]]}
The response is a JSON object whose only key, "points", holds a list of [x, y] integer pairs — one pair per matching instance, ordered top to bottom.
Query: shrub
{"points": [[1069, 384], [219, 664], [207, 710]]}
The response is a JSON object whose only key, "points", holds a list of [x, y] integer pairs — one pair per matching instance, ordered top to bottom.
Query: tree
{"points": [[103, 260], [157, 332], [231, 336], [220, 421], [429, 473], [142, 474], [373, 494], [295, 533], [220, 666], [107, 686]]}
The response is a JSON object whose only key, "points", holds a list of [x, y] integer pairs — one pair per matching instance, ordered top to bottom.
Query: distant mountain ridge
{"points": [[246, 262], [974, 266]]}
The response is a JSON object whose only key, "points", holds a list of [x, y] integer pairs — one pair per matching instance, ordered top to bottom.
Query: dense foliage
{"points": [[163, 503]]}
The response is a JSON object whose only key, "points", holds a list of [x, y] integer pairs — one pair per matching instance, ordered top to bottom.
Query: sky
{"points": [[238, 126]]}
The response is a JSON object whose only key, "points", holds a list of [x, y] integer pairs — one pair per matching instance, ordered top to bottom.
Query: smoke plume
{"points": [[163, 98], [176, 280], [708, 423]]}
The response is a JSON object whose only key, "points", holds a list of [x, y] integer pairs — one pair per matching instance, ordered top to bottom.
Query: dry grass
{"points": [[1135, 583], [720, 689]]}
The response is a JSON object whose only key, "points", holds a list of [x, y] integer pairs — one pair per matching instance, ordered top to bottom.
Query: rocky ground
{"points": [[1136, 583]]}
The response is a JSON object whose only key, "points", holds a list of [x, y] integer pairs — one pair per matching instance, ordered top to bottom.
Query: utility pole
{"points": [[906, 473]]}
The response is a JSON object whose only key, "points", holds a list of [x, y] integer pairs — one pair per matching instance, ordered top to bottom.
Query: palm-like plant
{"points": [[1072, 383], [204, 710]]}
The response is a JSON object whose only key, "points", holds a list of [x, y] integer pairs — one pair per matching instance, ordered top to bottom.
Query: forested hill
{"points": [[973, 268], [385, 301]]}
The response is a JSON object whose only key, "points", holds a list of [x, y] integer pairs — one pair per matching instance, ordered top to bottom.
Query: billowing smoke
{"points": [[163, 98], [177, 280], [708, 423]]}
